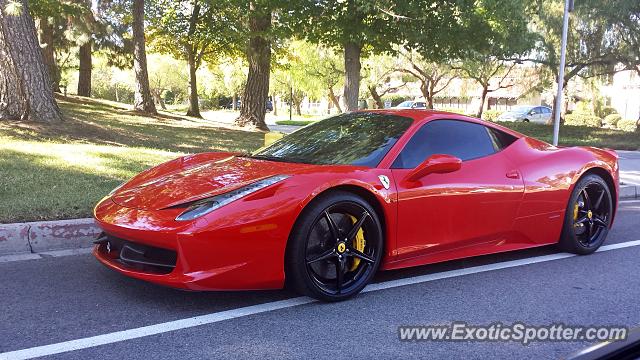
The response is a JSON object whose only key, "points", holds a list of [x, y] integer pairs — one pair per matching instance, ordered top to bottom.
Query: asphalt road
{"points": [[55, 300]]}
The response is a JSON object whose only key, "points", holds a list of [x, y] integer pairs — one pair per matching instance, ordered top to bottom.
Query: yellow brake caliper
{"points": [[575, 212], [358, 244]]}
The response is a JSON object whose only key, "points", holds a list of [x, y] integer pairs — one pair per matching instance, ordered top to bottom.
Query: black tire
{"points": [[525, 120], [588, 218], [314, 249]]}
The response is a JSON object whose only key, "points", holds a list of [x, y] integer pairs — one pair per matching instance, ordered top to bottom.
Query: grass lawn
{"points": [[60, 172]]}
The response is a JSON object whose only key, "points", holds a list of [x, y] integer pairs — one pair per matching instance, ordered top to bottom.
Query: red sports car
{"points": [[327, 206]]}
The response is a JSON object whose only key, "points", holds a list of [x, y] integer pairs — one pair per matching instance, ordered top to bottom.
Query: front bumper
{"points": [[223, 253]]}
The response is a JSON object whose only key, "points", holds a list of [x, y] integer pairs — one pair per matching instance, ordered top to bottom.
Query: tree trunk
{"points": [[45, 37], [352, 75], [84, 76], [25, 86], [485, 91], [428, 95], [157, 96], [376, 97], [142, 99], [334, 99], [12, 101], [430, 101], [234, 102], [297, 104], [194, 106], [275, 106], [253, 107]]}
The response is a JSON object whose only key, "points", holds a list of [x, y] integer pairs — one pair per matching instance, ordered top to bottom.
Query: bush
{"points": [[583, 107], [606, 111], [491, 115], [579, 119], [611, 120], [627, 125]]}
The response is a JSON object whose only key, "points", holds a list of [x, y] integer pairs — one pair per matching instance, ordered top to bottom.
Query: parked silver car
{"points": [[411, 105], [526, 113]]}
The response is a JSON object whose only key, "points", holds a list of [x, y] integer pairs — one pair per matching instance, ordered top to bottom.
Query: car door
{"points": [[474, 205]]}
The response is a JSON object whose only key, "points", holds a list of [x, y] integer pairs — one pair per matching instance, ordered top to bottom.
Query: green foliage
{"points": [[197, 29], [595, 45], [311, 70], [168, 77], [584, 107], [605, 111], [491, 115], [582, 119], [612, 120], [627, 125]]}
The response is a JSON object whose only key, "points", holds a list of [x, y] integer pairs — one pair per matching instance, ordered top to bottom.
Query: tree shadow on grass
{"points": [[97, 123]]}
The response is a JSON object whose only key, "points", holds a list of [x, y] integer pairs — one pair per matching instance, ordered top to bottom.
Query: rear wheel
{"points": [[588, 216], [335, 248]]}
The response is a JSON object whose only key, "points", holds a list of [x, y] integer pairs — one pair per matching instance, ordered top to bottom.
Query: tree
{"points": [[52, 19], [353, 26], [194, 30], [593, 47], [304, 69], [490, 73], [377, 77], [433, 77], [168, 79], [25, 85], [143, 100], [253, 106]]}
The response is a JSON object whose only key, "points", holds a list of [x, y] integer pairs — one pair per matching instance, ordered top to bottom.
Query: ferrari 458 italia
{"points": [[326, 207]]}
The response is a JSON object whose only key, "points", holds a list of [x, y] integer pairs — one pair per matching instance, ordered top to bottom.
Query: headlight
{"points": [[206, 206]]}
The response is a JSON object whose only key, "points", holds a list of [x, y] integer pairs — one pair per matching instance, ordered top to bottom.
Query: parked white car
{"points": [[411, 105], [526, 113]]}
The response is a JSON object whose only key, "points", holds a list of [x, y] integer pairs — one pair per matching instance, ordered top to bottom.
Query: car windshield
{"points": [[405, 104], [521, 109], [348, 139]]}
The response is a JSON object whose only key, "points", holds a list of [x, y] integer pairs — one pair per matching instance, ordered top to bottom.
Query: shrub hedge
{"points": [[581, 119], [611, 120], [627, 125]]}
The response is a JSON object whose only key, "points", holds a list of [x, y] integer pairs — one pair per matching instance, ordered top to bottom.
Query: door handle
{"points": [[513, 174]]}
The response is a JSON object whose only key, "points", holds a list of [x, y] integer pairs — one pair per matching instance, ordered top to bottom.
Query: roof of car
{"points": [[421, 116]]}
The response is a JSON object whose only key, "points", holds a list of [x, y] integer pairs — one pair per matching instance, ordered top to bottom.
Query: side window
{"points": [[547, 110], [535, 111], [500, 138], [463, 139]]}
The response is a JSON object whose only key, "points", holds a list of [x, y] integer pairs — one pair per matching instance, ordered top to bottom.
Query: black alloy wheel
{"points": [[588, 216], [336, 247]]}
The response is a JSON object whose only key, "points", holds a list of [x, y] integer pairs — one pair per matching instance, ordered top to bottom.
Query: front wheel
{"points": [[588, 216], [335, 248]]}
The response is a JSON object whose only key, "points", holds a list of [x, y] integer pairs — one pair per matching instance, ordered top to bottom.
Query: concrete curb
{"points": [[34, 237], [37, 237]]}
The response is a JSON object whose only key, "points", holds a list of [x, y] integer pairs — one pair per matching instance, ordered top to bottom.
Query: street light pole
{"points": [[568, 7]]}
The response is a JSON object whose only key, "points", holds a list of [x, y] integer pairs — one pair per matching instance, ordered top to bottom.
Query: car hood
{"points": [[196, 177]]}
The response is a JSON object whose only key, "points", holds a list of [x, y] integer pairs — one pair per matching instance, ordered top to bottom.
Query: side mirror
{"points": [[435, 164]]}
